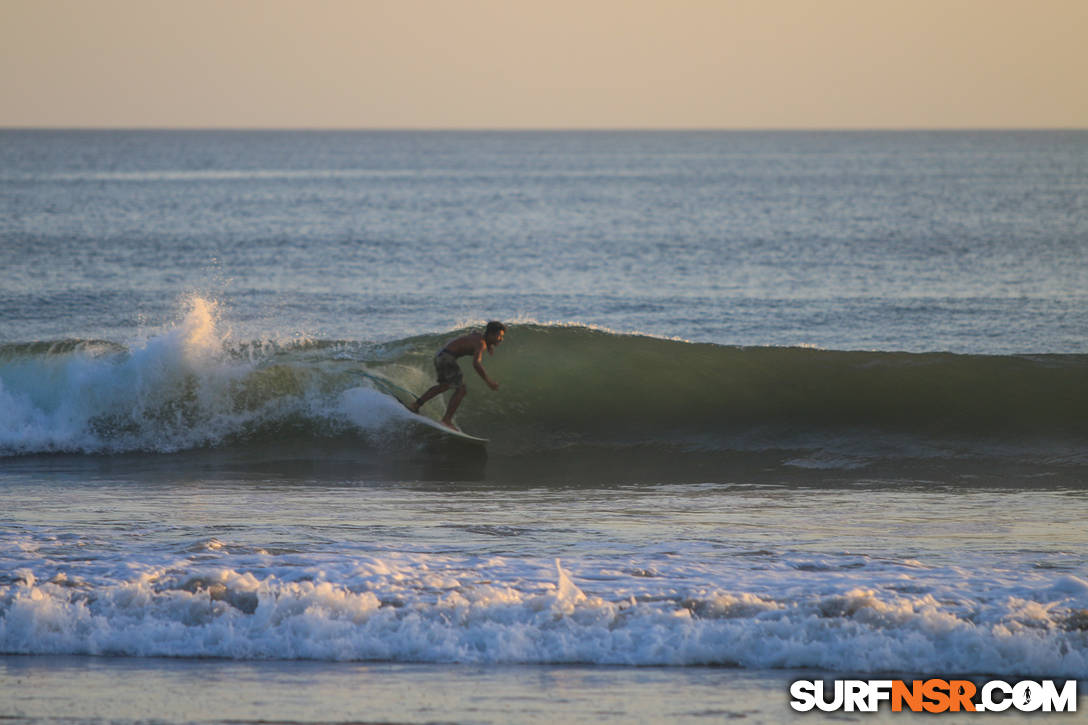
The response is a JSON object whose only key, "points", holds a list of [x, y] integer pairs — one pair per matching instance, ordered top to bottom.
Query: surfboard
{"points": [[402, 396], [439, 427]]}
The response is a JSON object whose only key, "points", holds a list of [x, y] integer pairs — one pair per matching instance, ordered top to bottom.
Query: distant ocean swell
{"points": [[562, 387], [221, 612]]}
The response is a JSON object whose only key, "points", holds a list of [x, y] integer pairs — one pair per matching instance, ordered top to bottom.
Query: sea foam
{"points": [[425, 609]]}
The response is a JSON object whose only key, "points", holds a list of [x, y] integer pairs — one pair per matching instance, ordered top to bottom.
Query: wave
{"points": [[565, 389], [222, 612]]}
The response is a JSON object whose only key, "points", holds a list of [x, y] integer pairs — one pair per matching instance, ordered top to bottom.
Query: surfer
{"points": [[449, 372]]}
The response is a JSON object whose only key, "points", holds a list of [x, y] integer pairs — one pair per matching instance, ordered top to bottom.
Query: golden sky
{"points": [[545, 63]]}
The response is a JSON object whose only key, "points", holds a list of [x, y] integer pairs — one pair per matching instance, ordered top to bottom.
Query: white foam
{"points": [[180, 389], [369, 409], [433, 608]]}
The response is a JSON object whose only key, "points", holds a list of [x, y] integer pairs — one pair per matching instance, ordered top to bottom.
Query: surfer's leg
{"points": [[449, 375], [435, 390], [452, 407]]}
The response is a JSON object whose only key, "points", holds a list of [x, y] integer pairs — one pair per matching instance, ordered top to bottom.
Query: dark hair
{"points": [[494, 327]]}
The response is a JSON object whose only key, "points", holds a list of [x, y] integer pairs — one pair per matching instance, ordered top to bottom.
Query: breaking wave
{"points": [[564, 388], [433, 610]]}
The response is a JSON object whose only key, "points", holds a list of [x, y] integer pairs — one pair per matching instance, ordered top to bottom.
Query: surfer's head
{"points": [[493, 333]]}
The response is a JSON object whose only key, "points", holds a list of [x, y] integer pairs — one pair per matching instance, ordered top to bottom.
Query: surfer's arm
{"points": [[480, 367]]}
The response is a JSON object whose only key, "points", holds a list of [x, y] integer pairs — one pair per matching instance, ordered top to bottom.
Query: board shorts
{"points": [[449, 372]]}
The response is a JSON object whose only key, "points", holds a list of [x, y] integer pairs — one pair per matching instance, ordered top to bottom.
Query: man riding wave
{"points": [[449, 371]]}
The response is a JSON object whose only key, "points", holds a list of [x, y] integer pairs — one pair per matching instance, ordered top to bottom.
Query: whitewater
{"points": [[772, 406]]}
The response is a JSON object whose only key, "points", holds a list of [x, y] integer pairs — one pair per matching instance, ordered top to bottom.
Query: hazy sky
{"points": [[545, 63]]}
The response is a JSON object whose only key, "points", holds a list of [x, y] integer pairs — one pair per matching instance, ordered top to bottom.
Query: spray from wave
{"points": [[189, 387]]}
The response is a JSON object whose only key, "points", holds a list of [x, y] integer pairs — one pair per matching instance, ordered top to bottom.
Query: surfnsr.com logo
{"points": [[934, 695]]}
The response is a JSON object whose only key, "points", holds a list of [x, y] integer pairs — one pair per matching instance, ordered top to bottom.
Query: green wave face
{"points": [[589, 382]]}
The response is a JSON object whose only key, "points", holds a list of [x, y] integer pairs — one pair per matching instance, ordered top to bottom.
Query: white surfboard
{"points": [[402, 396], [439, 427]]}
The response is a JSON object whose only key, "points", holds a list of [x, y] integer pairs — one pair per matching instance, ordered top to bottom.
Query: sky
{"points": [[731, 64]]}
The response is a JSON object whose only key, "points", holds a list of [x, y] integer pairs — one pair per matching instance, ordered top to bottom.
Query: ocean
{"points": [[772, 406]]}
